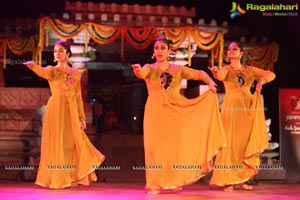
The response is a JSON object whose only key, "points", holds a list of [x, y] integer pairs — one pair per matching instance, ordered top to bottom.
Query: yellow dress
{"points": [[244, 124], [181, 136], [67, 155]]}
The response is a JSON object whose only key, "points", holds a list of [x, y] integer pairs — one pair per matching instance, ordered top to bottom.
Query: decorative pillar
{"points": [[80, 55]]}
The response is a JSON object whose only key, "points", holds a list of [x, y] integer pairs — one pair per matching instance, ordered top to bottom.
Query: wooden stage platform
{"points": [[135, 191]]}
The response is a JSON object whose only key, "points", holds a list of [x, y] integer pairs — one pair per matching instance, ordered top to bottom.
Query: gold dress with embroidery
{"points": [[244, 123], [181, 136], [67, 155]]}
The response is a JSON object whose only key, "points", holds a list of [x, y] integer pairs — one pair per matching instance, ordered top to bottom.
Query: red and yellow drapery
{"points": [[139, 38], [17, 46], [262, 57]]}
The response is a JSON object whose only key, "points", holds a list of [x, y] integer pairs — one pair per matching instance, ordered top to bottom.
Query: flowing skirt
{"points": [[246, 138], [180, 139], [67, 155]]}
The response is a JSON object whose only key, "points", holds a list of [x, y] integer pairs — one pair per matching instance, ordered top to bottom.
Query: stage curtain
{"points": [[262, 57]]}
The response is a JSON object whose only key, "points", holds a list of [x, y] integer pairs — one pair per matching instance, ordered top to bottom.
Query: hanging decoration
{"points": [[64, 30], [103, 34], [175, 35], [139, 38], [205, 40], [209, 41], [17, 46], [20, 46], [215, 52], [262, 57]]}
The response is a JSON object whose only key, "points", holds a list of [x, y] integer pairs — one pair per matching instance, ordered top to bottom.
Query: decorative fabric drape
{"points": [[103, 34], [176, 35], [139, 38], [209, 41], [17, 46], [262, 57]]}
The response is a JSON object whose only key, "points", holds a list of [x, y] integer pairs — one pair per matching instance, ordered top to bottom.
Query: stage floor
{"points": [[133, 191]]}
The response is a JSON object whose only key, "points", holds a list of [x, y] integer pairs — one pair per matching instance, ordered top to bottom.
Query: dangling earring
{"points": [[153, 57], [227, 59], [243, 60]]}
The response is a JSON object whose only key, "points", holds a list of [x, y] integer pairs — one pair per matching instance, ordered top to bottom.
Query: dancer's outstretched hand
{"points": [[29, 64], [136, 66], [213, 69], [212, 86]]}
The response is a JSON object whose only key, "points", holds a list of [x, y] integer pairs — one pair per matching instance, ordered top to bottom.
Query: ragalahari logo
{"points": [[236, 10]]}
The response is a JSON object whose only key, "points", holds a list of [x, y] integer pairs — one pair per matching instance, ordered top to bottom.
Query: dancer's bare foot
{"points": [[74, 184], [244, 186], [228, 188], [178, 189], [154, 192]]}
